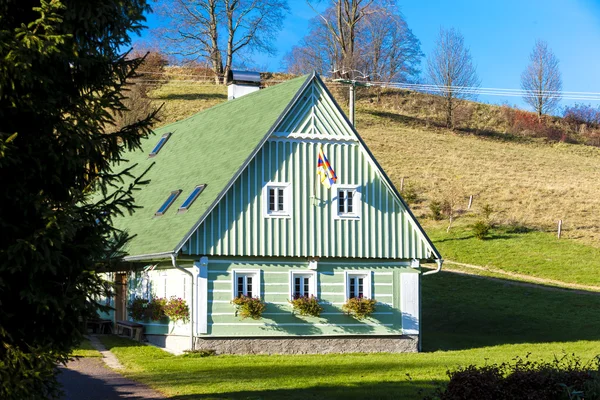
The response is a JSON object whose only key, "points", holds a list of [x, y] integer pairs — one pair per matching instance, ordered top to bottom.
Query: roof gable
{"points": [[210, 147], [290, 156]]}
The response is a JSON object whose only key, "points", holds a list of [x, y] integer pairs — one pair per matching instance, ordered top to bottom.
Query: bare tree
{"points": [[221, 32], [369, 36], [450, 69], [542, 80]]}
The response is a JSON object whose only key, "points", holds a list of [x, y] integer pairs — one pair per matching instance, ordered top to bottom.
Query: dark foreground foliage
{"points": [[61, 78], [563, 378]]}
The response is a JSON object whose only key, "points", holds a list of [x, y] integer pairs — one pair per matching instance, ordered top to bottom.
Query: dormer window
{"points": [[161, 142], [190, 199], [277, 199], [347, 202], [163, 209]]}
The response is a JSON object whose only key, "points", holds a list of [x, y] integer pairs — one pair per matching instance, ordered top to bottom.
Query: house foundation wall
{"points": [[312, 345]]}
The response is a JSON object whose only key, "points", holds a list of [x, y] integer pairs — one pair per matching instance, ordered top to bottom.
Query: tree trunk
{"points": [[449, 123]]}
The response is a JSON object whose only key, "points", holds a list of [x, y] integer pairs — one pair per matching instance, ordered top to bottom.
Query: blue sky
{"points": [[500, 35]]}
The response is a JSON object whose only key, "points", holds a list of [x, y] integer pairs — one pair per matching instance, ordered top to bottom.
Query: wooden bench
{"points": [[99, 325], [133, 329]]}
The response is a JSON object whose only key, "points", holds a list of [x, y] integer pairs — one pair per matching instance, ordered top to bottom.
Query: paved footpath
{"points": [[90, 379]]}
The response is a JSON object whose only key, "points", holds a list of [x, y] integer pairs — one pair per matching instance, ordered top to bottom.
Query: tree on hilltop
{"points": [[217, 31], [354, 38], [451, 71], [542, 81]]}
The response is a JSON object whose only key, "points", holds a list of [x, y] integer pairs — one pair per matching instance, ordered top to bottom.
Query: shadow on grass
{"points": [[192, 96], [399, 118], [495, 135], [463, 312], [371, 390]]}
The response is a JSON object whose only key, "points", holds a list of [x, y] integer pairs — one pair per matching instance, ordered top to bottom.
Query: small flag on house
{"points": [[324, 170]]}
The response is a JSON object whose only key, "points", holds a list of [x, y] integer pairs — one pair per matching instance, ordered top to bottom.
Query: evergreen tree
{"points": [[61, 74]]}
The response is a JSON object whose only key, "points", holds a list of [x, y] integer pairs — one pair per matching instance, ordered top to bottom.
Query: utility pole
{"points": [[353, 84]]}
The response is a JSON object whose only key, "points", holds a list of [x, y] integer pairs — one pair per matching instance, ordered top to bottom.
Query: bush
{"points": [[410, 194], [436, 210], [481, 229], [305, 305], [248, 307], [359, 307], [137, 309], [177, 309], [144, 310], [155, 311], [564, 378]]}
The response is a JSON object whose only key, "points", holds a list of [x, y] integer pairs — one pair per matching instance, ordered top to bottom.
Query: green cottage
{"points": [[235, 207]]}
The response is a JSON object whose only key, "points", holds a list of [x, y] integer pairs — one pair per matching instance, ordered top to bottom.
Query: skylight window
{"points": [[161, 142], [190, 199], [163, 209]]}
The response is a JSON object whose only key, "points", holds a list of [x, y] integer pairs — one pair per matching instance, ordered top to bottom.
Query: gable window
{"points": [[161, 142], [172, 196], [190, 199], [277, 199], [347, 202], [246, 283], [303, 284], [358, 284]]}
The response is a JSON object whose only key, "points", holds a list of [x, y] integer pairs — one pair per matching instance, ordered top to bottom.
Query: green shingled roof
{"points": [[210, 147]]}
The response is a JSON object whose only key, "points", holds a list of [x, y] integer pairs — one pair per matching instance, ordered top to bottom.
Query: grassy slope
{"points": [[465, 320]]}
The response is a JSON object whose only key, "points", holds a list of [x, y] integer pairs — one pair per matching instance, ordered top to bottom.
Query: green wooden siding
{"points": [[315, 113], [237, 227], [278, 319]]}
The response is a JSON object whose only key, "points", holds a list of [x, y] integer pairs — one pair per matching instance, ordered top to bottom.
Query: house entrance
{"points": [[120, 297]]}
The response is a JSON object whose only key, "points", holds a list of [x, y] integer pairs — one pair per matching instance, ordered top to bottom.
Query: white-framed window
{"points": [[277, 199], [347, 201], [246, 282], [303, 284], [358, 284]]}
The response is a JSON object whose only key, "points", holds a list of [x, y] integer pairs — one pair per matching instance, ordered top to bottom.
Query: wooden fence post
{"points": [[402, 184], [470, 202], [559, 227]]}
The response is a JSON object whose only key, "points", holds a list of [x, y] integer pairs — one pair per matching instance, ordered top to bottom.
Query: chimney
{"points": [[240, 83]]}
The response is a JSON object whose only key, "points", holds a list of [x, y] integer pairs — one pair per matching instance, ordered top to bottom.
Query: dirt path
{"points": [[522, 279], [97, 379]]}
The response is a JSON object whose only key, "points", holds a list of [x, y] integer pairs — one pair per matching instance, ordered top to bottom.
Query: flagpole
{"points": [[315, 175]]}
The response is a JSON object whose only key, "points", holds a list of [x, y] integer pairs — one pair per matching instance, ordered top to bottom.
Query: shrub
{"points": [[410, 194], [436, 210], [486, 211], [481, 228], [305, 305], [248, 307], [359, 307], [137, 309], [177, 309], [143, 310], [155, 310], [564, 378]]}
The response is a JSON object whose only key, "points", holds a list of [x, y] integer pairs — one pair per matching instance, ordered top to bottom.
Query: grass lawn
{"points": [[535, 253], [465, 320], [85, 349]]}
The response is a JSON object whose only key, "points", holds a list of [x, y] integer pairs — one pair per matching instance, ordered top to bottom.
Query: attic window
{"points": [[161, 142], [190, 199], [163, 209]]}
